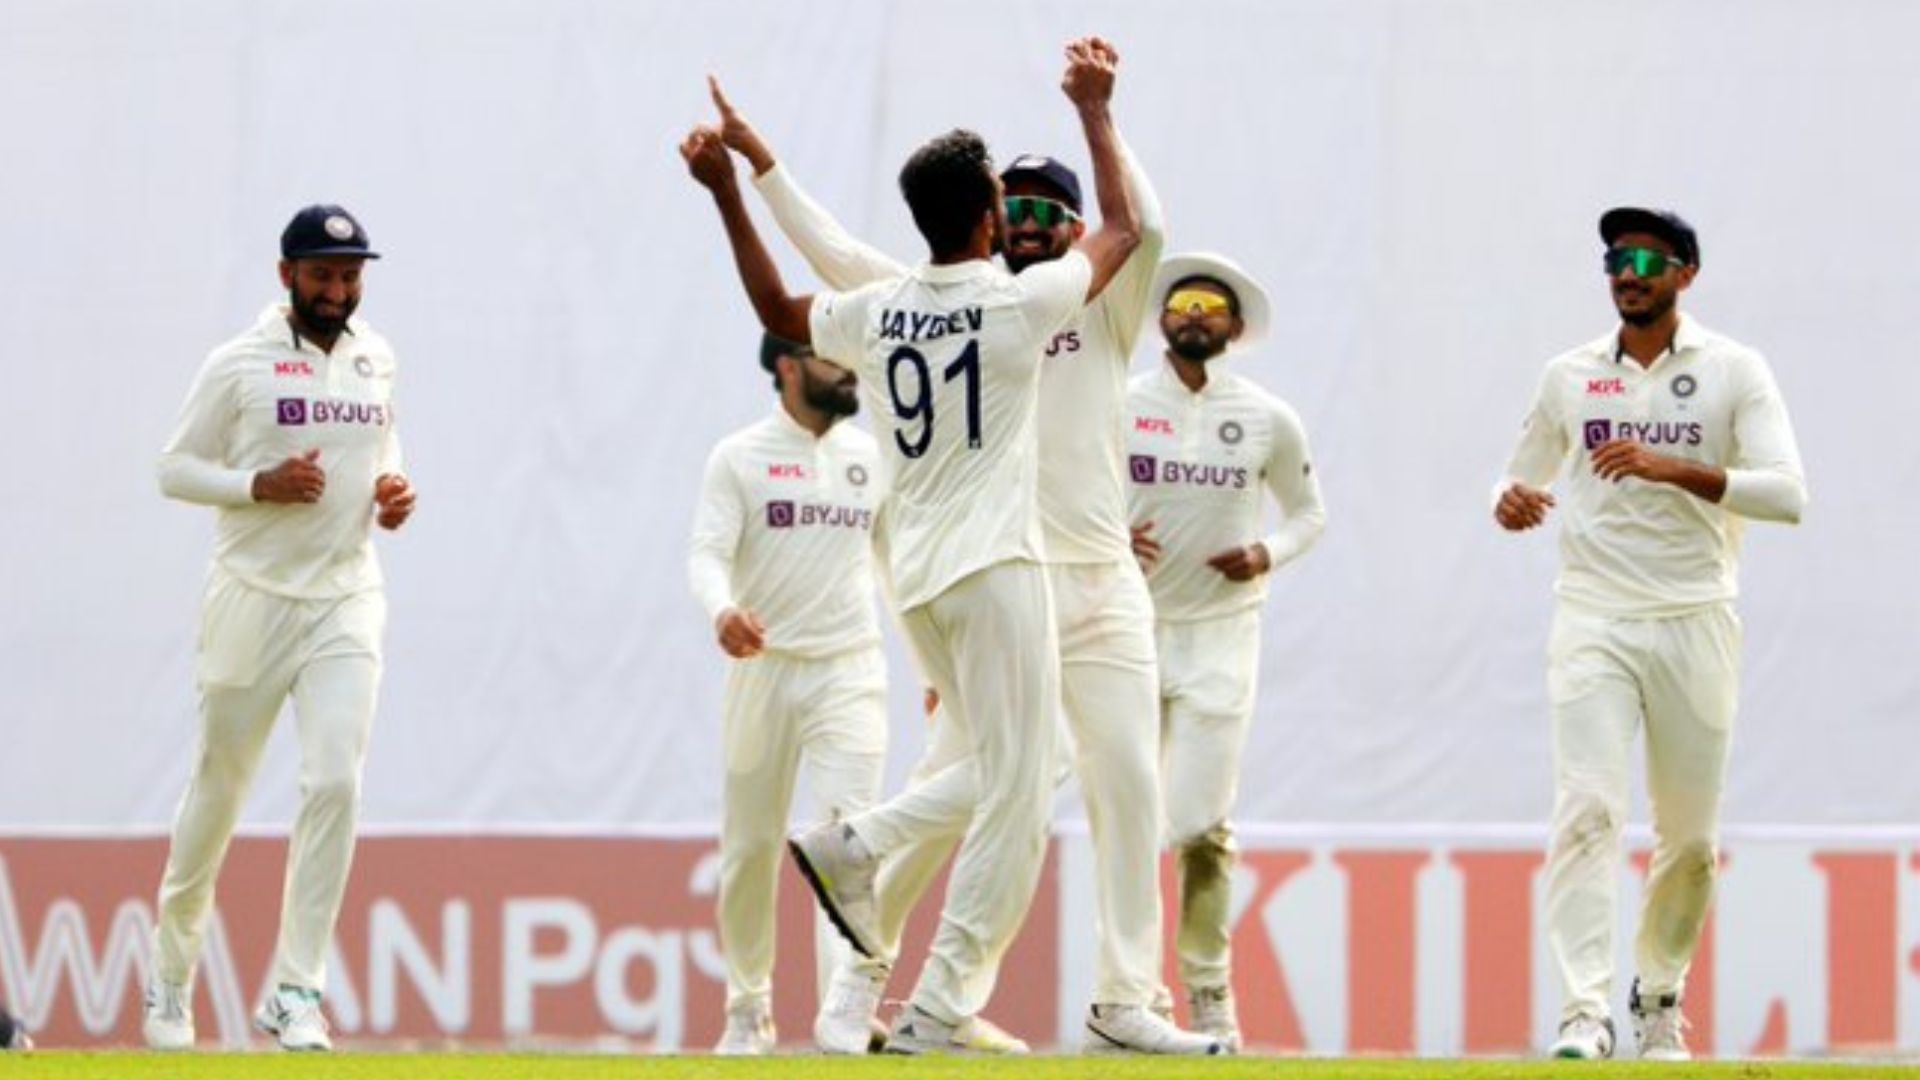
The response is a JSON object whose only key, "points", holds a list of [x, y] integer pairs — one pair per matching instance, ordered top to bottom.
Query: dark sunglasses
{"points": [[1042, 211], [1646, 262]]}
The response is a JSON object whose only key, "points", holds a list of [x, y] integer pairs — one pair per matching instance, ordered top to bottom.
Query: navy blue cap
{"points": [[1042, 167], [1664, 224], [323, 229], [773, 347]]}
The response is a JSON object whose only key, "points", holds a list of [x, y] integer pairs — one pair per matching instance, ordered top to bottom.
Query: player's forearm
{"points": [[1111, 190], [1108, 247], [841, 259], [781, 314], [196, 480], [1708, 482], [1765, 495], [1295, 537], [712, 580]]}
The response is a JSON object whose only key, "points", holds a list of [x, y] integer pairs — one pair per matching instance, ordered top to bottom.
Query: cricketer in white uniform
{"points": [[951, 354], [289, 432], [1668, 435], [1203, 446], [780, 561], [1108, 674]]}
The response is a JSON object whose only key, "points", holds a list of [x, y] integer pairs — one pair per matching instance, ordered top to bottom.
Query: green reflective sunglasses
{"points": [[1042, 211], [1646, 262]]}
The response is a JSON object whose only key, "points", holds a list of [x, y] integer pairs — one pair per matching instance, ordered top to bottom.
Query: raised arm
{"points": [[1091, 68], [842, 260], [779, 313]]}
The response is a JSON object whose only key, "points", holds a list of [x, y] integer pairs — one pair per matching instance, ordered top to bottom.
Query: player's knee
{"points": [[334, 789], [1588, 824], [1207, 854], [1696, 860]]}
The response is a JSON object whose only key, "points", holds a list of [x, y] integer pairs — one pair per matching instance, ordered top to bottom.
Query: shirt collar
{"points": [[961, 271], [1687, 335], [784, 422]]}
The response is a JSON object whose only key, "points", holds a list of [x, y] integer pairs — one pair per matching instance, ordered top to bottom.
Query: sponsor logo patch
{"points": [[292, 367], [1606, 387], [291, 411], [1153, 425], [1143, 468], [780, 515]]}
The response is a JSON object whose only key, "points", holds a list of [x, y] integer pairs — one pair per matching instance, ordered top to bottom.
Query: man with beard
{"points": [[952, 352], [289, 432], [1670, 435], [1202, 443], [780, 561], [1105, 617]]}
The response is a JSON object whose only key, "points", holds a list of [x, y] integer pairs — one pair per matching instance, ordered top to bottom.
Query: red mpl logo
{"points": [[292, 367], [1606, 387], [1153, 425], [784, 471]]}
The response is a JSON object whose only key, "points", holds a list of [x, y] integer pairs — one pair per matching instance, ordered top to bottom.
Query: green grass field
{"points": [[558, 1067]]}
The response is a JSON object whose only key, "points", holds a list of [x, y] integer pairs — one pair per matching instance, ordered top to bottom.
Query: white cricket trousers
{"points": [[989, 645], [256, 649], [1209, 670], [1607, 677], [1110, 688], [780, 710]]}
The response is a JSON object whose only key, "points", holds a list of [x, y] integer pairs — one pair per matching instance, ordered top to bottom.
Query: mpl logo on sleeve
{"points": [[291, 411]]}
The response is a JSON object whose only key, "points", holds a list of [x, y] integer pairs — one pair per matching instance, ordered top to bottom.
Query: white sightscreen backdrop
{"points": [[1416, 182]]}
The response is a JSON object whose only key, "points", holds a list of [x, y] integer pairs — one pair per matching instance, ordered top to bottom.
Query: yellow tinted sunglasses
{"points": [[1198, 302]]}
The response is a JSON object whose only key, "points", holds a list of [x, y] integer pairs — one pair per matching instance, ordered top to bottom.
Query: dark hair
{"points": [[948, 184], [1233, 300], [773, 347]]}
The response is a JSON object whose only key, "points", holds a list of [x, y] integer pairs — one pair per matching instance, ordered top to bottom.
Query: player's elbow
{"points": [[170, 472]]}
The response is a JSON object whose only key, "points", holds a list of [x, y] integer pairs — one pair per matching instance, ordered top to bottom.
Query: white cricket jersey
{"points": [[949, 360], [1083, 384], [261, 398], [1197, 464], [784, 529], [1640, 549]]}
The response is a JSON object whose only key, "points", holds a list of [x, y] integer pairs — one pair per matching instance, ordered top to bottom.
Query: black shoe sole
{"points": [[825, 898]]}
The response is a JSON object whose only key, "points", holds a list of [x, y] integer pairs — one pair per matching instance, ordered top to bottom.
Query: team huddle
{"points": [[1075, 557]]}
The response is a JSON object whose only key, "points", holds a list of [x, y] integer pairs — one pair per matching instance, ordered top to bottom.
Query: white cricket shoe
{"points": [[841, 871], [1214, 1014], [292, 1015], [168, 1022], [847, 1023], [1659, 1026], [1137, 1029], [749, 1030], [919, 1032], [1585, 1038]]}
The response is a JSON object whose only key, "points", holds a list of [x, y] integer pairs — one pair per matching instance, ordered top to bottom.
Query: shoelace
{"points": [[170, 1002], [305, 1007], [1665, 1027]]}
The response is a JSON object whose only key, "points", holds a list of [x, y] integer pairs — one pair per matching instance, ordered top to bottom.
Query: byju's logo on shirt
{"points": [[294, 412], [1646, 433], [1146, 469], [785, 514]]}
